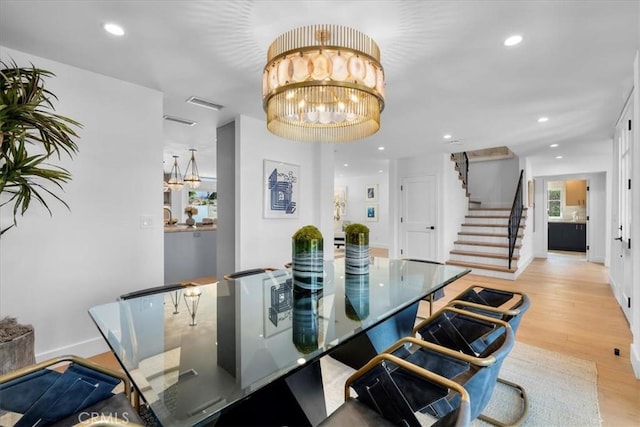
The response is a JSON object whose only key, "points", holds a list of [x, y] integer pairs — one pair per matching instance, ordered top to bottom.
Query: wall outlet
{"points": [[146, 221]]}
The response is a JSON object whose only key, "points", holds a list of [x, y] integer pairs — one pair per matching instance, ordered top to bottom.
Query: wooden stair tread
{"points": [[494, 209], [490, 216], [466, 224], [472, 233], [493, 245], [483, 254], [482, 266]]}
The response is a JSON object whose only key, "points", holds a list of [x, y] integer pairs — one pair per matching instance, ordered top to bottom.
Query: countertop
{"points": [[566, 221], [181, 228]]}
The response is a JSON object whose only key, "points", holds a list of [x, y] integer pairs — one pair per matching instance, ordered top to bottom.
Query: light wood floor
{"points": [[573, 312]]}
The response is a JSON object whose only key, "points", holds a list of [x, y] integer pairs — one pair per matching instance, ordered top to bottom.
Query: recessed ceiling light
{"points": [[114, 29], [513, 40], [201, 102], [543, 119], [179, 120], [447, 136], [553, 145], [380, 148], [558, 157], [346, 164], [380, 171]]}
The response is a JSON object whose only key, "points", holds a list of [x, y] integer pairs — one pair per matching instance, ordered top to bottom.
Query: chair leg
{"points": [[430, 304], [524, 414]]}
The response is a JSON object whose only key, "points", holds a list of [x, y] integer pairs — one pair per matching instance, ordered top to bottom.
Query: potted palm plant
{"points": [[31, 133]]}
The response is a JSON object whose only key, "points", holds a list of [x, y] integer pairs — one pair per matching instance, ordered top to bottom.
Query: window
{"points": [[554, 203]]}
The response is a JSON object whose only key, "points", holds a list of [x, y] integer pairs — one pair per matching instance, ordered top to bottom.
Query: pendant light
{"points": [[191, 175], [175, 182]]}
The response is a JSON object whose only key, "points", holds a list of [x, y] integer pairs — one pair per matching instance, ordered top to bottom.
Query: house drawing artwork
{"points": [[281, 190]]}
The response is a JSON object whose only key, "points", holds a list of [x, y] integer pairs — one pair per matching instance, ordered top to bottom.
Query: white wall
{"points": [[587, 160], [493, 182], [452, 201], [356, 205], [454, 207], [635, 214], [598, 231], [265, 241], [53, 269]]}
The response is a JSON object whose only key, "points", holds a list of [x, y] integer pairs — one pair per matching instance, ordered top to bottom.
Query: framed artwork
{"points": [[281, 183], [371, 193], [530, 193], [339, 203], [371, 213], [278, 304]]}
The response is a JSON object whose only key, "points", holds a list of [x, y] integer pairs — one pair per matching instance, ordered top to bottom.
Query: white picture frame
{"points": [[281, 189], [371, 193], [371, 212]]}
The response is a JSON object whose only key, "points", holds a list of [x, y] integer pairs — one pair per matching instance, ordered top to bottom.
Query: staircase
{"points": [[483, 242]]}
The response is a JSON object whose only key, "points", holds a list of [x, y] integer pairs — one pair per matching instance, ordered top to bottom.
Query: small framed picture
{"points": [[281, 183], [372, 193], [371, 213]]}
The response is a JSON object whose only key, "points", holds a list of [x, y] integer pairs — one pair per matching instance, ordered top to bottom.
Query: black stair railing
{"points": [[462, 162], [514, 218]]}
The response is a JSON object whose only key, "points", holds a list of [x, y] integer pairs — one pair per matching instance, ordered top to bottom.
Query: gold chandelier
{"points": [[323, 83]]}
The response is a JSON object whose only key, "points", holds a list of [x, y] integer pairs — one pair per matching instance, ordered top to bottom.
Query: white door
{"points": [[418, 218], [621, 268]]}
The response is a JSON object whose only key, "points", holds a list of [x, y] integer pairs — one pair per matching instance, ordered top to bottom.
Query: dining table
{"points": [[247, 351]]}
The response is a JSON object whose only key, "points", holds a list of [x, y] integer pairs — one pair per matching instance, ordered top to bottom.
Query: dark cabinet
{"points": [[567, 236]]}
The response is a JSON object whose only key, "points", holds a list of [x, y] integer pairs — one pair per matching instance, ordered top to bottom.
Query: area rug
{"points": [[562, 390]]}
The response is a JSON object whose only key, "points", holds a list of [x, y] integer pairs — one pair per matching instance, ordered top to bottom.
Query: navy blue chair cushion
{"points": [[46, 396]]}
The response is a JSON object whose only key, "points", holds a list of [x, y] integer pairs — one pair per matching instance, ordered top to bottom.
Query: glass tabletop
{"points": [[195, 351]]}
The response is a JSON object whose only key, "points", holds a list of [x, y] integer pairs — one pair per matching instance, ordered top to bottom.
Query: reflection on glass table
{"points": [[256, 333]]}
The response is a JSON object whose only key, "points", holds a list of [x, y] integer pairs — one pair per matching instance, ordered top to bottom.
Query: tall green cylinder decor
{"points": [[356, 254], [307, 260], [356, 292], [305, 319]]}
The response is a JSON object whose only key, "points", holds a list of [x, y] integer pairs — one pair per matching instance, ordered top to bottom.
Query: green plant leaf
{"points": [[28, 123]]}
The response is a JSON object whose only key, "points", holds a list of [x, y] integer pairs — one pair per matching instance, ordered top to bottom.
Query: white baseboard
{"points": [[380, 245], [522, 268], [86, 348], [634, 355]]}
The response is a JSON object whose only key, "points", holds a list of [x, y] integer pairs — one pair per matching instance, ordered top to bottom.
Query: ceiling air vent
{"points": [[200, 102], [179, 120]]}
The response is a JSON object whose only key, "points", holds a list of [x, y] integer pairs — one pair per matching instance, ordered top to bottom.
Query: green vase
{"points": [[356, 253], [307, 261]]}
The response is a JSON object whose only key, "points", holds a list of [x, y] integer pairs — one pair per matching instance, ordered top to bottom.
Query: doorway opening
{"points": [[567, 216]]}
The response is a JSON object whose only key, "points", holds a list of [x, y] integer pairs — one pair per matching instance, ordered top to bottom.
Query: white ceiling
{"points": [[446, 68]]}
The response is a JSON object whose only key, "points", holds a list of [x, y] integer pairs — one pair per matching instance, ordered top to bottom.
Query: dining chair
{"points": [[245, 273], [151, 291], [507, 305], [475, 336], [477, 374], [46, 396], [380, 402]]}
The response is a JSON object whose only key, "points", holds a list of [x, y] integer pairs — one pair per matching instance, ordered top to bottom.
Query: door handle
{"points": [[431, 228], [618, 238]]}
